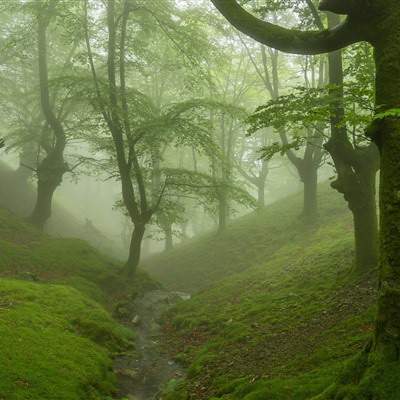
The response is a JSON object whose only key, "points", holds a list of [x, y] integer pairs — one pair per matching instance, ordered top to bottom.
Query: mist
{"points": [[199, 200]]}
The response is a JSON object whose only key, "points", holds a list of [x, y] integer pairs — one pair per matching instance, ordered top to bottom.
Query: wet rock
{"points": [[28, 276], [122, 311], [135, 320], [128, 373], [143, 375], [131, 397]]}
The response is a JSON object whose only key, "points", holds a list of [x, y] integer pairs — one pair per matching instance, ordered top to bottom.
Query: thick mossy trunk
{"points": [[387, 136], [50, 174], [358, 186], [42, 211], [366, 235], [169, 241], [135, 249], [387, 337], [375, 374]]}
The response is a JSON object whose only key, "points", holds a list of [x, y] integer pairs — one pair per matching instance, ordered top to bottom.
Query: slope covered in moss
{"points": [[247, 242], [285, 326], [57, 339]]}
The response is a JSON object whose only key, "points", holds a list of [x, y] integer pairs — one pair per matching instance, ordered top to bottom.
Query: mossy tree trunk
{"points": [[386, 134], [52, 168], [356, 168], [49, 176], [309, 177], [169, 240], [135, 248]]}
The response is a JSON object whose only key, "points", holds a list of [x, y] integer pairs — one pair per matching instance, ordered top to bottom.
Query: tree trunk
{"points": [[387, 137], [356, 169], [50, 174], [309, 178], [360, 193], [261, 194], [42, 211], [222, 211], [366, 235], [169, 242], [135, 249]]}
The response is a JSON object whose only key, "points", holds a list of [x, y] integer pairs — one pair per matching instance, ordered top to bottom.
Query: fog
{"points": [[190, 206]]}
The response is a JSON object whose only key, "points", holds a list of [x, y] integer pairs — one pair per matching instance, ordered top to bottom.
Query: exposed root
{"points": [[366, 377]]}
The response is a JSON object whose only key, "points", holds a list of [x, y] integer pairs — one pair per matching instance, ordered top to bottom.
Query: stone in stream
{"points": [[135, 320], [143, 375]]}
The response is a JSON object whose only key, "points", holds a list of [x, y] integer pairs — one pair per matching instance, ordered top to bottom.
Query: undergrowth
{"points": [[285, 326], [57, 335]]}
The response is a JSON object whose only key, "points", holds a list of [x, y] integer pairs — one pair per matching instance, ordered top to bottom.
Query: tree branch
{"points": [[289, 40]]}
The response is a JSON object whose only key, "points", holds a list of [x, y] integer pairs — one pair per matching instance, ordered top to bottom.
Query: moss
{"points": [[249, 241], [282, 328], [56, 338], [45, 352]]}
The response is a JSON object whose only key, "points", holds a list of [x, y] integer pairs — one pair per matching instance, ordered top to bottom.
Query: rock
{"points": [[28, 276], [122, 311], [135, 320], [129, 373]]}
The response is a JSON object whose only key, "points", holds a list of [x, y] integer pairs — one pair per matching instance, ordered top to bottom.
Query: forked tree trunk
{"points": [[356, 168], [135, 249]]}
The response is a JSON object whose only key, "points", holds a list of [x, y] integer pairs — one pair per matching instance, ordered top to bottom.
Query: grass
{"points": [[249, 241], [282, 328], [57, 334], [55, 343]]}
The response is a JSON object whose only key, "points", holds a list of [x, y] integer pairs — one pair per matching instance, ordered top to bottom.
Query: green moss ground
{"points": [[249, 241], [284, 327], [57, 338]]}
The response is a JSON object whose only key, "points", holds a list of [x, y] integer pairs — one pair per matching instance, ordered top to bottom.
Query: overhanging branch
{"points": [[289, 40]]}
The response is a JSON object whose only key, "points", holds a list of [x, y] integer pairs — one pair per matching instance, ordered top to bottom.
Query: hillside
{"points": [[19, 196], [249, 241], [284, 326], [57, 339]]}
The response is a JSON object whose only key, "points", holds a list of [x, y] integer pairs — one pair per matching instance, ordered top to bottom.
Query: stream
{"points": [[142, 375]]}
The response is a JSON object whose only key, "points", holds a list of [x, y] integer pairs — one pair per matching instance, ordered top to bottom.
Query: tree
{"points": [[376, 22], [37, 110], [309, 162], [356, 162], [53, 167]]}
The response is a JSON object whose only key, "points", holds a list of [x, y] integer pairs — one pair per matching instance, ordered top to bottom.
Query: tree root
{"points": [[366, 377]]}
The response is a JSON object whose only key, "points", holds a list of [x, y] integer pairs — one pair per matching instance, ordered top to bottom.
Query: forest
{"points": [[199, 200]]}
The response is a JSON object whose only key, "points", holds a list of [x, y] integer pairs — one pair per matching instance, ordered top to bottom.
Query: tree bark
{"points": [[378, 22], [386, 134], [53, 167], [356, 169], [50, 174], [309, 178], [260, 194], [222, 210], [366, 232], [169, 241], [135, 249]]}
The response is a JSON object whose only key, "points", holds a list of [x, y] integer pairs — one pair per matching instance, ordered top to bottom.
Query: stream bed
{"points": [[143, 374]]}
